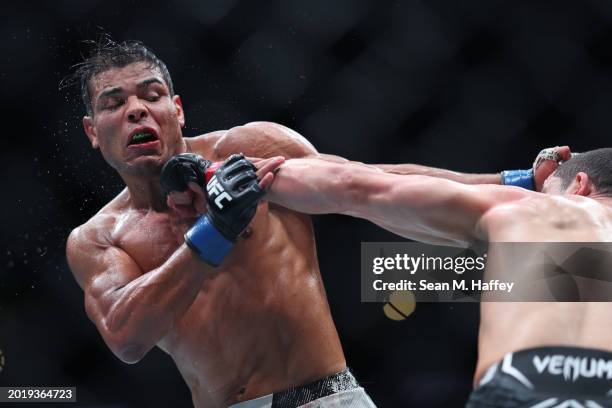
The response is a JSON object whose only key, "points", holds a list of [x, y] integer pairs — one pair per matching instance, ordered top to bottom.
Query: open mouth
{"points": [[142, 137]]}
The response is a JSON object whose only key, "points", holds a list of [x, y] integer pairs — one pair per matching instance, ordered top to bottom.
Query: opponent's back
{"points": [[528, 240]]}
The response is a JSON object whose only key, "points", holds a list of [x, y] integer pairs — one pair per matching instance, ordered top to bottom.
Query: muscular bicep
{"points": [[101, 269]]}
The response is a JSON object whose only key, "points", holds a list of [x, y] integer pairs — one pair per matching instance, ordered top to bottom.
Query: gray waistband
{"points": [[304, 394]]}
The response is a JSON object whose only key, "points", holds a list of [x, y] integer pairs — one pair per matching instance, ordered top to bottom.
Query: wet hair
{"points": [[107, 54], [597, 164]]}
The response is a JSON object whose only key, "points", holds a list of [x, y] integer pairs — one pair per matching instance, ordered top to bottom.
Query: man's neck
{"points": [[146, 193], [602, 199]]}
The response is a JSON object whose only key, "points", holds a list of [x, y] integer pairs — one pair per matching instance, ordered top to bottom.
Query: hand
{"points": [[547, 162], [266, 168], [184, 176], [182, 179], [234, 192], [188, 204]]}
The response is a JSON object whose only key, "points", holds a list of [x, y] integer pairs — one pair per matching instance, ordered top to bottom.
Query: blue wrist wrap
{"points": [[518, 178], [207, 242]]}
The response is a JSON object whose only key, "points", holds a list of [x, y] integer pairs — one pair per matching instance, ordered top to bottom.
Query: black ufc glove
{"points": [[184, 168], [233, 195]]}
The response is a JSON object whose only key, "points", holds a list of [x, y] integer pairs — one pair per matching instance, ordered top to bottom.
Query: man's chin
{"points": [[144, 165]]}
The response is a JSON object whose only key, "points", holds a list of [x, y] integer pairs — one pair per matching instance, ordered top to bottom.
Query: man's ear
{"points": [[178, 105], [90, 131], [583, 184]]}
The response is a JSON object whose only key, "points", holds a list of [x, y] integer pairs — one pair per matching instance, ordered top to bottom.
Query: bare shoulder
{"points": [[255, 139], [263, 139], [204, 144], [514, 201], [538, 202], [503, 205], [569, 207], [535, 208], [543, 217], [102, 222], [92, 237]]}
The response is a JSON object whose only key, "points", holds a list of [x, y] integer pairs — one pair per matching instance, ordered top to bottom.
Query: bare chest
{"points": [[149, 238]]}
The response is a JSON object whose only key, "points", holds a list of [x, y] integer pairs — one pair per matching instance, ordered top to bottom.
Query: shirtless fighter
{"points": [[253, 332], [539, 354]]}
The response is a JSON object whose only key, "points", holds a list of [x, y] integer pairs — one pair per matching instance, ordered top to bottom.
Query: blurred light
{"points": [[401, 305]]}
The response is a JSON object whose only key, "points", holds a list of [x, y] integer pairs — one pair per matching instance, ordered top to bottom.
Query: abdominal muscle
{"points": [[260, 323]]}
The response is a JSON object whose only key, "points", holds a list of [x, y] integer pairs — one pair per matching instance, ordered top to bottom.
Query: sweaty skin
{"points": [[441, 211], [260, 323], [512, 326]]}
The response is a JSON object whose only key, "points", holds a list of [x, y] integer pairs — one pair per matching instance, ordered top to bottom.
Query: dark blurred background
{"points": [[476, 86]]}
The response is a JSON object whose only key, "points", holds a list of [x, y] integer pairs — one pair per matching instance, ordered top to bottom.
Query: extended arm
{"points": [[544, 165], [408, 169], [418, 170], [423, 208], [132, 310]]}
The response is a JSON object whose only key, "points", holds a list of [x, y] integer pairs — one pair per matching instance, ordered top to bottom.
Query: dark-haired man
{"points": [[256, 328], [531, 354]]}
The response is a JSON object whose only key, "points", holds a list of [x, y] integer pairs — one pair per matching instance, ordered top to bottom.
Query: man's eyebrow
{"points": [[147, 82], [117, 89], [110, 92]]}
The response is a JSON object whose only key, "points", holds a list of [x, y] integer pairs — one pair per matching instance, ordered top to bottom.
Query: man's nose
{"points": [[136, 110]]}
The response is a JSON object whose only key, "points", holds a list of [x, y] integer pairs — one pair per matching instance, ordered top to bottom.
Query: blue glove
{"points": [[518, 178]]}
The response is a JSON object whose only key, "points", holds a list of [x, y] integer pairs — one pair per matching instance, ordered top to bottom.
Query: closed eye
{"points": [[152, 97], [114, 104]]}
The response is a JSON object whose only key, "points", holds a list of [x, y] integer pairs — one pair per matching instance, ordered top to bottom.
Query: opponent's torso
{"points": [[547, 222], [260, 323]]}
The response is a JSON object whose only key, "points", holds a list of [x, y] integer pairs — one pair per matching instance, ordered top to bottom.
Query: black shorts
{"points": [[547, 377]]}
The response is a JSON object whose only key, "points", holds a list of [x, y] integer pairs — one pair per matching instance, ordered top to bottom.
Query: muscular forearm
{"points": [[418, 170], [313, 185], [321, 186], [418, 207], [144, 310]]}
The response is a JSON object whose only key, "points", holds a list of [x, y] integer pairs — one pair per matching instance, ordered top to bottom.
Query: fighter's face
{"points": [[136, 123]]}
